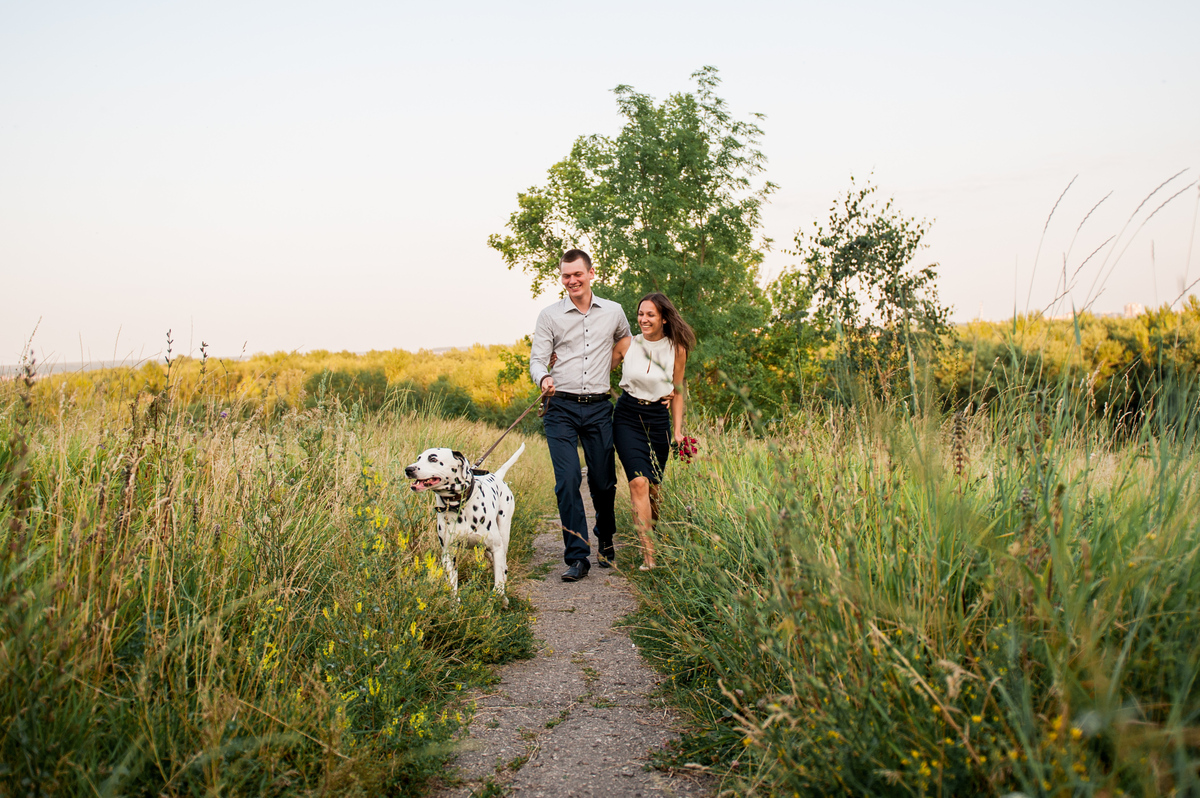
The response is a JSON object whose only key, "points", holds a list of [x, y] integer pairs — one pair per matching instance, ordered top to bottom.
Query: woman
{"points": [[643, 427]]}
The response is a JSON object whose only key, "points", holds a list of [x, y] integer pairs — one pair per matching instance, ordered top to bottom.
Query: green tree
{"points": [[673, 204], [859, 288]]}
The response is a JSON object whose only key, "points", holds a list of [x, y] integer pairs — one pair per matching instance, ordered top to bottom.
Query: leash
{"points": [[536, 402], [456, 502]]}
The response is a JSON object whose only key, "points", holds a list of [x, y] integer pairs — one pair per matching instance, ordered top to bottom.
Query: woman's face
{"points": [[650, 320]]}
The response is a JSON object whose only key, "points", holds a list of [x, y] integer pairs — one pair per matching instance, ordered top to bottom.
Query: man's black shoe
{"points": [[605, 554], [577, 571]]}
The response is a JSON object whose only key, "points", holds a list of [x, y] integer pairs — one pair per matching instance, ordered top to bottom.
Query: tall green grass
{"points": [[227, 602], [867, 603]]}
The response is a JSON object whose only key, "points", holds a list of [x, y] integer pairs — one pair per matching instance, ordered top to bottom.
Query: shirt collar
{"points": [[567, 305]]}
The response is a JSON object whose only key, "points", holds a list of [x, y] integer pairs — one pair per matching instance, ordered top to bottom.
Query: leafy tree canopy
{"points": [[671, 204]]}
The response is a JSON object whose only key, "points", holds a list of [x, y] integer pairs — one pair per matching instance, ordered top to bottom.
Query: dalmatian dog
{"points": [[474, 508]]}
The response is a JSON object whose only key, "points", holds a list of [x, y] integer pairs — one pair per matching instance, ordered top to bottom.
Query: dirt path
{"points": [[577, 720]]}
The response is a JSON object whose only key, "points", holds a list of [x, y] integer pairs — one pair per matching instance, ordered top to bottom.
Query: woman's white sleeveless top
{"points": [[648, 368]]}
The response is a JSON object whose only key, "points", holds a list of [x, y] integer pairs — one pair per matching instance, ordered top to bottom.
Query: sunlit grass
{"points": [[224, 601], [843, 613]]}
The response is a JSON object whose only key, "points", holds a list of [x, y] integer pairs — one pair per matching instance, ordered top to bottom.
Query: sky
{"points": [[270, 176]]}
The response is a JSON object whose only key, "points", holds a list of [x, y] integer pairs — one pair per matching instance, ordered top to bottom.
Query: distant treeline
{"points": [[1109, 366], [1115, 366], [478, 383]]}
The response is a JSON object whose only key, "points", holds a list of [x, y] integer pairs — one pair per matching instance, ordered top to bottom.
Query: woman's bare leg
{"points": [[640, 491]]}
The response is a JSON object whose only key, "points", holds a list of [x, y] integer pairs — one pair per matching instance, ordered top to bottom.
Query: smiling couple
{"points": [[588, 337]]}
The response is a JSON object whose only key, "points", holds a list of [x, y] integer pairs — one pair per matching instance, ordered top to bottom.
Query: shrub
{"points": [[366, 387]]}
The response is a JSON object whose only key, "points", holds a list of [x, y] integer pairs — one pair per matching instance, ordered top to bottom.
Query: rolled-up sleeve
{"points": [[622, 329], [543, 346]]}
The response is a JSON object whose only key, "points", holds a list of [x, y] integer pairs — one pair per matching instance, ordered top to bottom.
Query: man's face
{"points": [[577, 278]]}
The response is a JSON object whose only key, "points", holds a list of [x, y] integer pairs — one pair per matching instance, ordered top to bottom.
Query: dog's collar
{"points": [[454, 501]]}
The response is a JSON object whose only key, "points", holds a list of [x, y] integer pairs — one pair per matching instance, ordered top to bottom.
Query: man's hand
{"points": [[548, 385]]}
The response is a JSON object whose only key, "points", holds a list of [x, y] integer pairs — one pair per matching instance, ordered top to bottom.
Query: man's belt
{"points": [[582, 398]]}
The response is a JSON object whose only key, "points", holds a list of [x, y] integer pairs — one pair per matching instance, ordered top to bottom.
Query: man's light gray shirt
{"points": [[583, 343]]}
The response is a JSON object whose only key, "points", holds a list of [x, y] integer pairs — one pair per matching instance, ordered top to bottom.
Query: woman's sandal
{"points": [[644, 567]]}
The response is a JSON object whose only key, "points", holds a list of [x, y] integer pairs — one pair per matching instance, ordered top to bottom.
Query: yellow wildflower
{"points": [[270, 658]]}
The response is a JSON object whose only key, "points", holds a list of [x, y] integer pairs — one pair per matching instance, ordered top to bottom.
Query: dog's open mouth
{"points": [[426, 484]]}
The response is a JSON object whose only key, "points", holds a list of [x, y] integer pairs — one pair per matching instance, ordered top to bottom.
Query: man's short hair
{"points": [[572, 255]]}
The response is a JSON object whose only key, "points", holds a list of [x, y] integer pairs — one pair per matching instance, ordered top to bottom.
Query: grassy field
{"points": [[202, 592], [226, 601], [1002, 603]]}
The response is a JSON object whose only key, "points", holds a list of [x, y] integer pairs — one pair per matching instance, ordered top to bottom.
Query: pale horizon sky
{"points": [[271, 176]]}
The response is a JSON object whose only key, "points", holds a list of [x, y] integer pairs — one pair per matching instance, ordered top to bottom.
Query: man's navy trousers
{"points": [[569, 423]]}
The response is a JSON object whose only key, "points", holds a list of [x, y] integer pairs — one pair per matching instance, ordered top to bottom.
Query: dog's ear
{"points": [[461, 458]]}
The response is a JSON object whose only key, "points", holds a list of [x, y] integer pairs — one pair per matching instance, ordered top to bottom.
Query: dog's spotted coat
{"points": [[473, 509]]}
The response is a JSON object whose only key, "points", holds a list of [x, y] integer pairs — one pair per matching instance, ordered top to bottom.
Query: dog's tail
{"points": [[502, 470]]}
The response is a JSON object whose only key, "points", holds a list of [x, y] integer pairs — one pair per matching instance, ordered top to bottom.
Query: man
{"points": [[581, 330]]}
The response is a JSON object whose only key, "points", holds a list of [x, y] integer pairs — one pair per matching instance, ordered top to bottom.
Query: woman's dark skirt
{"points": [[642, 437]]}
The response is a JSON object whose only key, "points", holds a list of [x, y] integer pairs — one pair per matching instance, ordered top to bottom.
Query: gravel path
{"points": [[578, 719]]}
